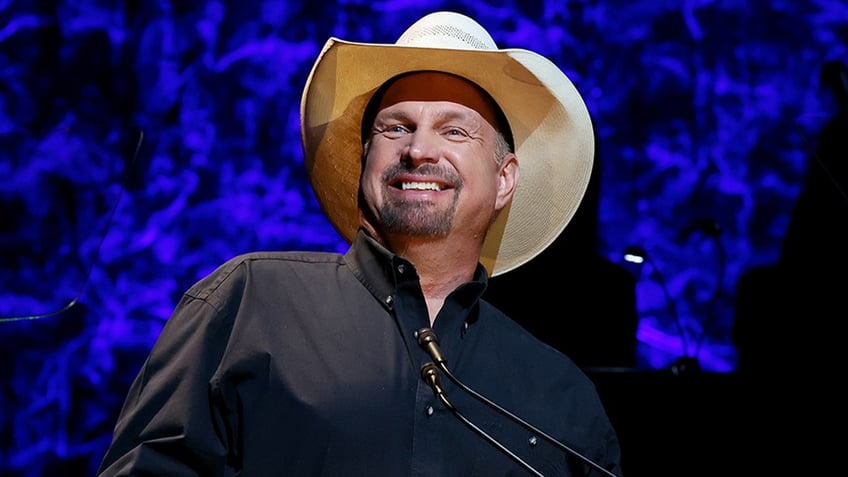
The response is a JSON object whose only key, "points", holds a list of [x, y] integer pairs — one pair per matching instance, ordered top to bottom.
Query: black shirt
{"points": [[306, 364]]}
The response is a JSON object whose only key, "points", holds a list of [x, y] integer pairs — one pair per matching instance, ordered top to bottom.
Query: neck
{"points": [[442, 264], [440, 270]]}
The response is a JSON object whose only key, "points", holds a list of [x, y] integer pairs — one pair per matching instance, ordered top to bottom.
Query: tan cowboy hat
{"points": [[551, 127]]}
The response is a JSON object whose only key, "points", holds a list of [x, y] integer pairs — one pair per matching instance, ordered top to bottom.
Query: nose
{"points": [[423, 147]]}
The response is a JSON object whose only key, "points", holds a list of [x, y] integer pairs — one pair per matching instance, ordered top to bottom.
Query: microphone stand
{"points": [[428, 340]]}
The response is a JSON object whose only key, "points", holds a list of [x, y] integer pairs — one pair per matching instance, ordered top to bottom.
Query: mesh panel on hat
{"points": [[451, 31]]}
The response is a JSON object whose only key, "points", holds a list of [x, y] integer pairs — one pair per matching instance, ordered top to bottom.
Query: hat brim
{"points": [[551, 128]]}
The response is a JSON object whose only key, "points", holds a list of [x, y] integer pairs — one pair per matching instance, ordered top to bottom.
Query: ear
{"points": [[507, 180]]}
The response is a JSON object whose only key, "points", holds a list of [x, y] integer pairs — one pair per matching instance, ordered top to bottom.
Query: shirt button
{"points": [[401, 268], [390, 300], [429, 411], [533, 441]]}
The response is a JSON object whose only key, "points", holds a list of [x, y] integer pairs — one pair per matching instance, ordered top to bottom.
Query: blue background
{"points": [[143, 143]]}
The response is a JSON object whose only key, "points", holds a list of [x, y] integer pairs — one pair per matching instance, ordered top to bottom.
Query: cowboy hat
{"points": [[551, 127]]}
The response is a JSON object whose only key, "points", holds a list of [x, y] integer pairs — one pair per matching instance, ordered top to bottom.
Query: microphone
{"points": [[428, 340], [430, 375]]}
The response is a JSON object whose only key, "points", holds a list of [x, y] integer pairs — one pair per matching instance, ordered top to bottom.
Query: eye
{"points": [[392, 130], [455, 133]]}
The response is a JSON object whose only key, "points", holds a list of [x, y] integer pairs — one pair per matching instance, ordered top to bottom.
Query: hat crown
{"points": [[447, 30]]}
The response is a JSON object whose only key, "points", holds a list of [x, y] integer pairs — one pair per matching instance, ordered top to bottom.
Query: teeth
{"points": [[419, 186]]}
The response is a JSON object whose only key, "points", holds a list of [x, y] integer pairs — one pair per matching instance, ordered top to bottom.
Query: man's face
{"points": [[431, 165]]}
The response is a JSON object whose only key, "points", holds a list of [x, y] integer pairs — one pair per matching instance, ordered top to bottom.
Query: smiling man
{"points": [[436, 173], [322, 364]]}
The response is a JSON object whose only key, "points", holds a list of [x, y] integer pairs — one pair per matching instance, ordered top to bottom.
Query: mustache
{"points": [[442, 173]]}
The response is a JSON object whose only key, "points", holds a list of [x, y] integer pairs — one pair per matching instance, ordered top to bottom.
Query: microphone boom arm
{"points": [[428, 340], [430, 374]]}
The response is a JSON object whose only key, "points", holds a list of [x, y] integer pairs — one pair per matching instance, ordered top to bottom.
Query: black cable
{"points": [[96, 253], [672, 306], [711, 313]]}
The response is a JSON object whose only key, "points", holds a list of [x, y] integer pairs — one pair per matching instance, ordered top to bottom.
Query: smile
{"points": [[420, 186]]}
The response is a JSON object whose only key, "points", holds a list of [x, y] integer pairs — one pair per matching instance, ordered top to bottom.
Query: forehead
{"points": [[434, 86]]}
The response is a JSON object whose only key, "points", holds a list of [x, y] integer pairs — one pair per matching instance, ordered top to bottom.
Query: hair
{"points": [[502, 148]]}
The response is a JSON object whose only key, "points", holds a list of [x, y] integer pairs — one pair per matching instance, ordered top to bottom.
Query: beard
{"points": [[419, 217]]}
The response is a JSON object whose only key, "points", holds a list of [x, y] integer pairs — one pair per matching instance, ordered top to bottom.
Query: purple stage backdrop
{"points": [[145, 142]]}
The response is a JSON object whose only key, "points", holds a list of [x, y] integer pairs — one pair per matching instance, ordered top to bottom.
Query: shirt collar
{"points": [[373, 264]]}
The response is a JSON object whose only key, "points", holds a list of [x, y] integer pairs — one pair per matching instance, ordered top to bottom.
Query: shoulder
{"points": [[270, 262], [262, 267], [522, 346], [546, 375]]}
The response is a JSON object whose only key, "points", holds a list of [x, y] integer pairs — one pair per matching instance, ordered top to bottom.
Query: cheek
{"points": [[482, 178], [370, 181], [485, 188]]}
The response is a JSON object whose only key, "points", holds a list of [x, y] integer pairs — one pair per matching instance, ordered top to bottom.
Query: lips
{"points": [[425, 178]]}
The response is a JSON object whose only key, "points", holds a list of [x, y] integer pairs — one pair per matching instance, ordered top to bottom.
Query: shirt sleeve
{"points": [[170, 423]]}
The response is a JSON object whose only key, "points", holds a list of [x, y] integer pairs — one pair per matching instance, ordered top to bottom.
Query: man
{"points": [[318, 364]]}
